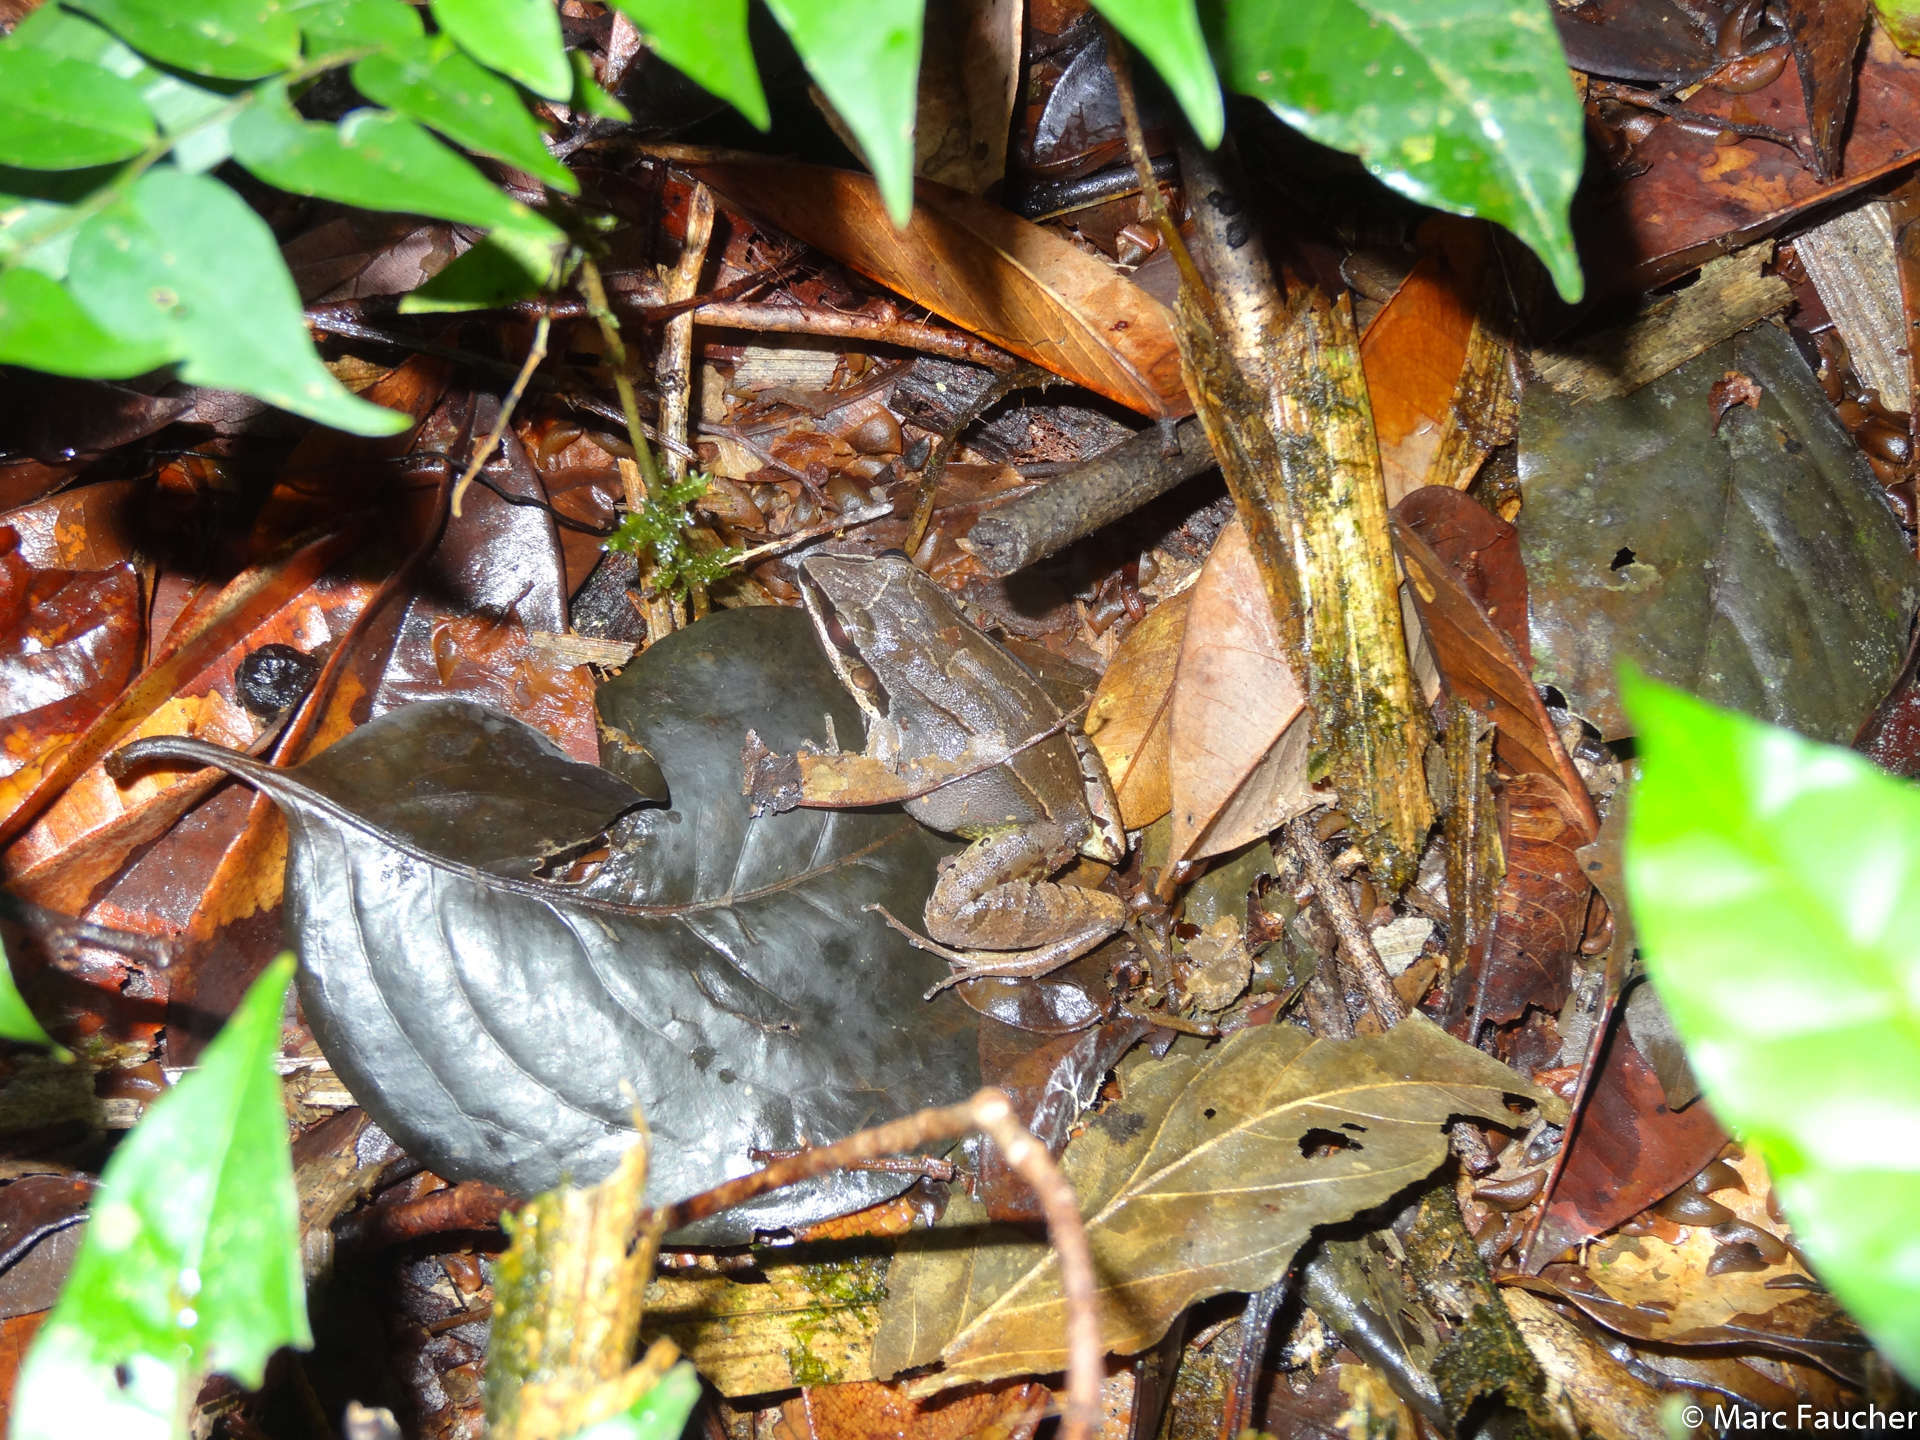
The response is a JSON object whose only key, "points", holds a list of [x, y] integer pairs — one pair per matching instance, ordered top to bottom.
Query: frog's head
{"points": [[869, 611]]}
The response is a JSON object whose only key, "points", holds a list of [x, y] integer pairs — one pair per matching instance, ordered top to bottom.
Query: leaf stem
{"points": [[596, 297]]}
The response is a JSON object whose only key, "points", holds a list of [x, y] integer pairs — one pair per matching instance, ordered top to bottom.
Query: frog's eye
{"points": [[861, 678]]}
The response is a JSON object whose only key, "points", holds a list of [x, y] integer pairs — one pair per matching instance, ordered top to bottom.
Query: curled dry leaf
{"points": [[1026, 289], [68, 642], [1475, 651], [1127, 720], [1237, 740], [1205, 1177], [1682, 1291]]}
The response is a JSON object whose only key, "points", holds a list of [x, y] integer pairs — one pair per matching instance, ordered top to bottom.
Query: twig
{"points": [[596, 294], [880, 330], [536, 352], [673, 377], [1003, 384], [1073, 505], [1356, 945], [1363, 963], [991, 1112]]}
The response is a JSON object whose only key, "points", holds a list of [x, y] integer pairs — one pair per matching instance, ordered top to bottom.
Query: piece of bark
{"points": [[1851, 261], [1731, 293], [1074, 505]]}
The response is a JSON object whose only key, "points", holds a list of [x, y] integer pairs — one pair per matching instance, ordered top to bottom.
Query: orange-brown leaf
{"points": [[1020, 286]]}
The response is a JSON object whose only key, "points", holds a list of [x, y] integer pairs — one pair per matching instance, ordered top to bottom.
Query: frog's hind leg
{"points": [[1016, 964]]}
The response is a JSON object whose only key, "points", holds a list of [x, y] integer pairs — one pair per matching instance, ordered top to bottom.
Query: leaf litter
{"points": [[577, 919]]}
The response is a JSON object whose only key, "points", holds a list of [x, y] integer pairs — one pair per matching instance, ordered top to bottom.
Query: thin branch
{"points": [[536, 352], [990, 1112]]}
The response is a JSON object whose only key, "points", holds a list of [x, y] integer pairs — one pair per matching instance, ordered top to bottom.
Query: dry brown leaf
{"points": [[969, 76], [1024, 288], [1127, 720], [1237, 751], [1206, 1177]]}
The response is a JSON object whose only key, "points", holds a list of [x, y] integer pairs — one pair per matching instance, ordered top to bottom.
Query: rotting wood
{"points": [[1731, 293], [1279, 387], [567, 1303]]}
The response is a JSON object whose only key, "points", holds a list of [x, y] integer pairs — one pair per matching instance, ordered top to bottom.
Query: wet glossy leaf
{"points": [[331, 26], [1167, 32], [519, 38], [230, 39], [708, 43], [866, 60], [435, 84], [1460, 104], [183, 108], [61, 114], [373, 159], [142, 269], [42, 327], [1755, 563], [1774, 890], [719, 971], [1205, 1177], [191, 1263]]}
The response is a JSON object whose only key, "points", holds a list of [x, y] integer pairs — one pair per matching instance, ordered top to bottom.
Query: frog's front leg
{"points": [[996, 913]]}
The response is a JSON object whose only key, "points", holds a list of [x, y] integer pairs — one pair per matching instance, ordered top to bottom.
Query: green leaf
{"points": [[1902, 21], [334, 26], [1168, 33], [519, 38], [231, 39], [708, 44], [866, 60], [437, 85], [588, 96], [1461, 104], [61, 114], [189, 114], [375, 160], [38, 216], [181, 260], [493, 273], [43, 328], [1776, 889], [16, 1020], [191, 1261], [660, 1414]]}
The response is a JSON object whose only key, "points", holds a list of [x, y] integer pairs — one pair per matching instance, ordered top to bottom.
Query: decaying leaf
{"points": [[1026, 289], [1754, 565], [1127, 720], [1238, 745], [719, 972], [1205, 1177]]}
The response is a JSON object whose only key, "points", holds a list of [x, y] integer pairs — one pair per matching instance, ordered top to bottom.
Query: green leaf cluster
{"points": [[120, 250], [660, 530], [1775, 885], [191, 1262]]}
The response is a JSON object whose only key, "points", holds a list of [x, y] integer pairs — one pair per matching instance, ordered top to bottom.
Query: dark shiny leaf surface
{"points": [[720, 973]]}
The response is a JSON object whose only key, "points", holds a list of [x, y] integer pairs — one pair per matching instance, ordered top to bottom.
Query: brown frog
{"points": [[971, 743]]}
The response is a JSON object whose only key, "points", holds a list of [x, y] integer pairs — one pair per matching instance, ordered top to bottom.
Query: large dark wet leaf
{"points": [[1752, 564], [720, 973]]}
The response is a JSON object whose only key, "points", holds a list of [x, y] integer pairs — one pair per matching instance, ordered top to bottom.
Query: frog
{"points": [[971, 742]]}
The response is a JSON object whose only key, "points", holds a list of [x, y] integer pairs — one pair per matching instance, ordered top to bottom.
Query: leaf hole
{"points": [[1622, 558], [1207, 1113], [1317, 1143]]}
